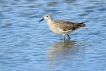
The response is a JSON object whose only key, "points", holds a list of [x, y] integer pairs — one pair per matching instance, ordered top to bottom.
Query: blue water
{"points": [[27, 45]]}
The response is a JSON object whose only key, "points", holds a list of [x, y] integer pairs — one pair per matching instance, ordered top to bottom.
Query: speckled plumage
{"points": [[60, 26]]}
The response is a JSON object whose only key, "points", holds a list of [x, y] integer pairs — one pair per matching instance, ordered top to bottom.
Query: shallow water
{"points": [[27, 45]]}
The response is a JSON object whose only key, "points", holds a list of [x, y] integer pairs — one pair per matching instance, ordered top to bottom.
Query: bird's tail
{"points": [[78, 25]]}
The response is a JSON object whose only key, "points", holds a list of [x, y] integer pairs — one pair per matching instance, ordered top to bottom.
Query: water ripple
{"points": [[27, 45]]}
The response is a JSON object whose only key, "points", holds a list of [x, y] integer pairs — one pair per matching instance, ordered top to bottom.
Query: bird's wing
{"points": [[64, 25]]}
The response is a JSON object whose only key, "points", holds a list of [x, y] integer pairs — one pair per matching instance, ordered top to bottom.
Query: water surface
{"points": [[27, 45]]}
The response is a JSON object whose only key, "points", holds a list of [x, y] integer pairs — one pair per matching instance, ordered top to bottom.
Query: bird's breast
{"points": [[54, 27]]}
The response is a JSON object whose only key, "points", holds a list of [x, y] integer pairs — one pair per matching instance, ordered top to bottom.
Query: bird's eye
{"points": [[46, 16]]}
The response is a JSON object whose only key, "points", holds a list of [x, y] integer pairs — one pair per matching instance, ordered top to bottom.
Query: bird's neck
{"points": [[49, 21]]}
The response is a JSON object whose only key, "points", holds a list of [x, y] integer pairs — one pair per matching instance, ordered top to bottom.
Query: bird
{"points": [[61, 27]]}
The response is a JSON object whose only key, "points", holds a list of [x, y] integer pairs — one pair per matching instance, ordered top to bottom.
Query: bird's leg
{"points": [[68, 36], [64, 37]]}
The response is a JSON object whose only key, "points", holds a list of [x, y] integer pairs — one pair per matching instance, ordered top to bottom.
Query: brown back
{"points": [[67, 25]]}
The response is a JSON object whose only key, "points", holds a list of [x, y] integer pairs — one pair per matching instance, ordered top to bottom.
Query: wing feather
{"points": [[64, 25]]}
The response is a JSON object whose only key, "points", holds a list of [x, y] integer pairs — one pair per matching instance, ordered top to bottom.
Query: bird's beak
{"points": [[41, 20]]}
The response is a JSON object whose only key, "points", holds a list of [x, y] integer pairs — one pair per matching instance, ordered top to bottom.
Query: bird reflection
{"points": [[61, 48], [63, 52]]}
